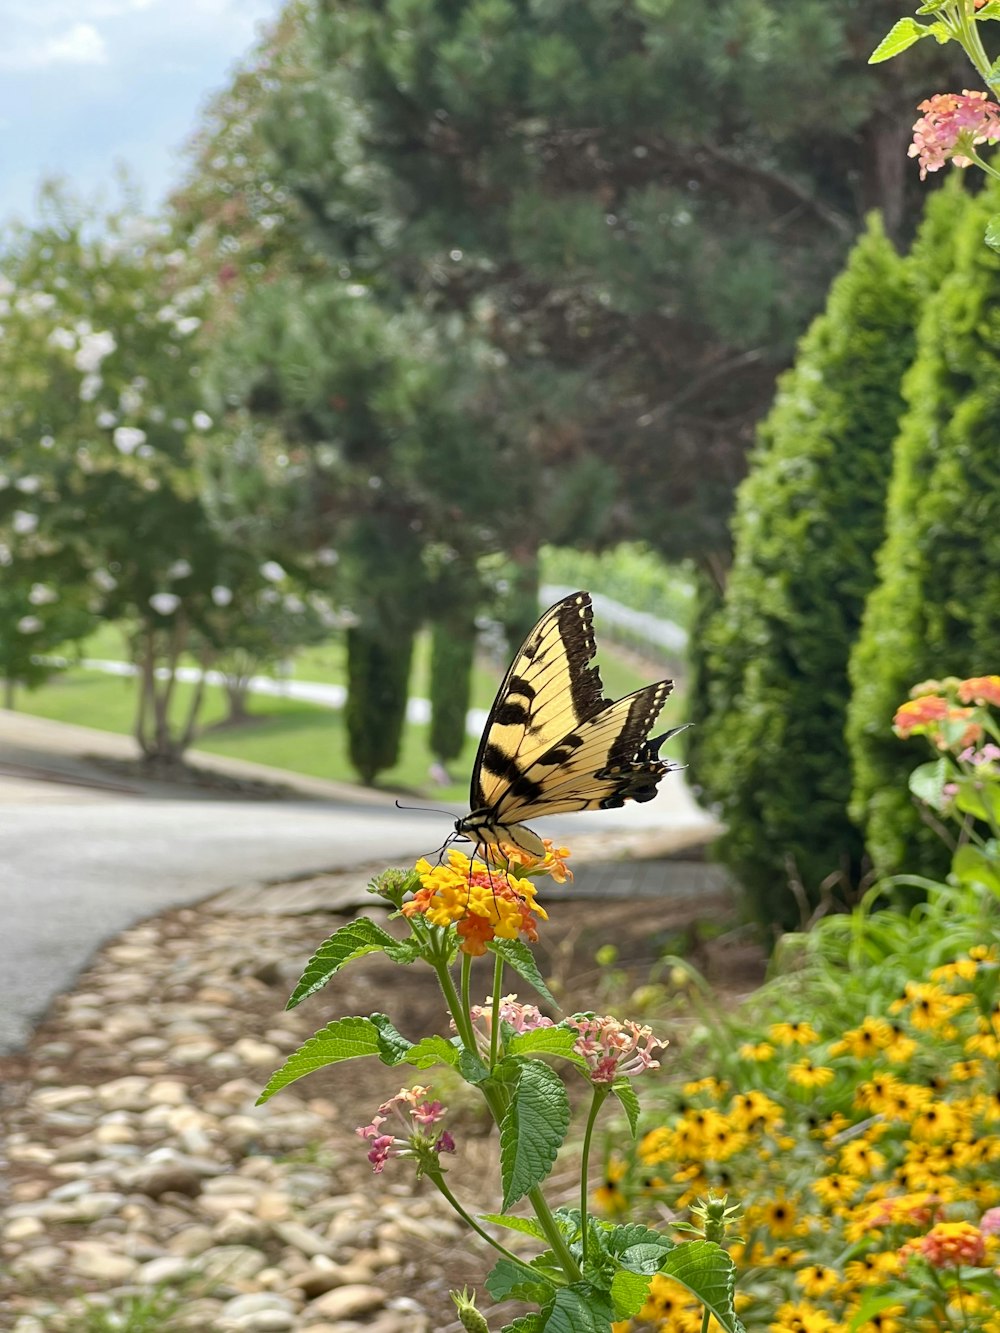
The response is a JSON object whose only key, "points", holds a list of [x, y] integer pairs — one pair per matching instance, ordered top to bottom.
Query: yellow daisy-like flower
{"points": [[930, 1007], [793, 1034], [866, 1040], [902, 1048], [759, 1053], [963, 1071], [805, 1074], [713, 1086], [755, 1112], [937, 1120], [657, 1146], [861, 1159], [835, 1190], [608, 1197], [779, 1216], [783, 1256], [870, 1268], [817, 1280], [801, 1317], [886, 1321]]}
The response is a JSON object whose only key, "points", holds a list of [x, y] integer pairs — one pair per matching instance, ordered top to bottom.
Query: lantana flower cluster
{"points": [[951, 123], [482, 902], [878, 1175]]}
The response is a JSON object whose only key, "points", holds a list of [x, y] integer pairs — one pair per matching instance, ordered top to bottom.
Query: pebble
{"points": [[142, 1162]]}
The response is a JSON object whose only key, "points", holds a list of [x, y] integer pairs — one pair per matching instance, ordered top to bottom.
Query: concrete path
{"points": [[84, 853]]}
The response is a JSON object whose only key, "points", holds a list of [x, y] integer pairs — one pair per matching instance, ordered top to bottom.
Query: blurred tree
{"points": [[635, 207], [809, 519], [935, 610]]}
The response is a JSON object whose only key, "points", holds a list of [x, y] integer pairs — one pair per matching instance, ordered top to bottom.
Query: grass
{"points": [[286, 733]]}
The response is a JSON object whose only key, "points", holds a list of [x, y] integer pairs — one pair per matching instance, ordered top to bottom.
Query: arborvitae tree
{"points": [[809, 518], [936, 608], [453, 648]]}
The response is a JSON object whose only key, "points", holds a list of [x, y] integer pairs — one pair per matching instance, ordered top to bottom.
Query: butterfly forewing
{"points": [[548, 690]]}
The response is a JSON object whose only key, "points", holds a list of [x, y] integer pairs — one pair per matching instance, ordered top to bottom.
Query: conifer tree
{"points": [[809, 519], [935, 610]]}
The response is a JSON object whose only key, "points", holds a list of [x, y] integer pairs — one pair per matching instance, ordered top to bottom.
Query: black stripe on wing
{"points": [[549, 688]]}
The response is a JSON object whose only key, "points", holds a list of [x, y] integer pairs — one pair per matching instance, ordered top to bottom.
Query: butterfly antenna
{"points": [[424, 809]]}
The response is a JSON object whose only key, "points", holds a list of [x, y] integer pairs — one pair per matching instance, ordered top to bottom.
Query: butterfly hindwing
{"points": [[549, 688]]}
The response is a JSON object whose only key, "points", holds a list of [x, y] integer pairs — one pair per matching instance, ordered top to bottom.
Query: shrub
{"points": [[809, 519], [936, 604]]}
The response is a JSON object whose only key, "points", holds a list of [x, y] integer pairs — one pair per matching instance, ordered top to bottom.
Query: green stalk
{"points": [[968, 35], [467, 984], [495, 1020], [463, 1024], [600, 1093], [470, 1221], [553, 1235], [706, 1319]]}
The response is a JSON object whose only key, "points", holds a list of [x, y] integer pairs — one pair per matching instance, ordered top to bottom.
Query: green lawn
{"points": [[284, 733]]}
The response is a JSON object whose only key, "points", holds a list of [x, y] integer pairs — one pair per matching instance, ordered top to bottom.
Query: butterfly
{"points": [[553, 743]]}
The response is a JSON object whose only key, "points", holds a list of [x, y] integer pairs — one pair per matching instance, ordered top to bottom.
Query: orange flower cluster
{"points": [[482, 904], [949, 1245]]}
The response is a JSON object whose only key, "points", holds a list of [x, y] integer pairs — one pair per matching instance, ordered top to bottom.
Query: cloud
{"points": [[80, 44]]}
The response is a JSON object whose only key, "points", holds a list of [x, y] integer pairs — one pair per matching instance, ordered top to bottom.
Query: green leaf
{"points": [[932, 6], [991, 10], [901, 35], [927, 782], [981, 799], [973, 866], [352, 941], [518, 956], [345, 1039], [550, 1041], [393, 1047], [434, 1050], [472, 1068], [623, 1090], [532, 1130], [526, 1225], [632, 1236], [708, 1273], [510, 1281], [628, 1293], [872, 1304], [579, 1309], [529, 1323]]}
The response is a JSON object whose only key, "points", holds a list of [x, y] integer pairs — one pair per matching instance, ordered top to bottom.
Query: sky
{"points": [[86, 85]]}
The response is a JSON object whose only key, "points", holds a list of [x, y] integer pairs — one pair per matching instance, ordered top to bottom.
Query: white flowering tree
{"points": [[99, 399]]}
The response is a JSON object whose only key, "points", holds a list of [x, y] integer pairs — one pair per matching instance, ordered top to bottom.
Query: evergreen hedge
{"points": [[809, 518], [936, 608], [453, 647]]}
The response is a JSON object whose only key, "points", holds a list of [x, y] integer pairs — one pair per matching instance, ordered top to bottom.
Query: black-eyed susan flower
{"points": [[793, 1034], [759, 1052], [805, 1074], [817, 1280], [801, 1317]]}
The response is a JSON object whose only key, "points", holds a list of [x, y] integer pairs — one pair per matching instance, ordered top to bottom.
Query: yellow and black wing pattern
{"points": [[553, 743]]}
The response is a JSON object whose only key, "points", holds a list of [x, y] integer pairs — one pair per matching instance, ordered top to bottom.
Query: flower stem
{"points": [[495, 1019], [463, 1024], [596, 1103], [470, 1221], [553, 1235], [706, 1319]]}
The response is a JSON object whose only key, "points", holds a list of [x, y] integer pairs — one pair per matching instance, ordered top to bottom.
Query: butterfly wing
{"points": [[548, 690], [553, 743], [604, 761]]}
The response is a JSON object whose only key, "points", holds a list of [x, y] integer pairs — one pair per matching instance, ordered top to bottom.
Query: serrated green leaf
{"points": [[932, 6], [991, 10], [902, 34], [992, 236], [927, 782], [982, 801], [352, 941], [517, 954], [344, 1039], [549, 1041], [393, 1047], [435, 1050], [472, 1068], [625, 1093], [533, 1129], [526, 1225], [631, 1235], [643, 1259], [708, 1273], [510, 1281], [628, 1293], [872, 1304], [579, 1309], [528, 1323]]}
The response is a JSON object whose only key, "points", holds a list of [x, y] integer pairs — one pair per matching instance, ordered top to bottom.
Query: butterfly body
{"points": [[553, 742]]}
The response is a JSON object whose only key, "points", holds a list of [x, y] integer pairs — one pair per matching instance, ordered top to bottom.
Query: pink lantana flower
{"points": [[950, 122], [614, 1048], [416, 1116]]}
